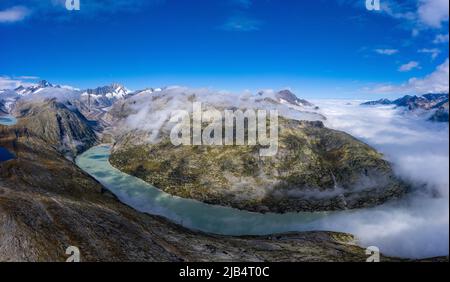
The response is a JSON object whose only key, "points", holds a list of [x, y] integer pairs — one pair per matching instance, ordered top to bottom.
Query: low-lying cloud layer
{"points": [[151, 111], [417, 226]]}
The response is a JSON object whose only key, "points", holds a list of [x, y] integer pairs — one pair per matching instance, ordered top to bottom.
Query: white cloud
{"points": [[56, 9], [394, 10], [433, 12], [14, 14], [418, 15], [241, 23], [441, 38], [388, 52], [434, 52], [409, 66], [27, 77], [7, 82], [436, 82], [417, 225]]}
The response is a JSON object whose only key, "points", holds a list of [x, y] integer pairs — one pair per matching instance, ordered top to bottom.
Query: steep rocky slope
{"points": [[65, 129], [315, 169]]}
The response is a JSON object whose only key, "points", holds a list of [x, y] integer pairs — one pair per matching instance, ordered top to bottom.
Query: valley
{"points": [[61, 206], [66, 206]]}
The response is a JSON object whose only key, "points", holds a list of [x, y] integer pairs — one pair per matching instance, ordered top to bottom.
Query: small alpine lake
{"points": [[8, 120]]}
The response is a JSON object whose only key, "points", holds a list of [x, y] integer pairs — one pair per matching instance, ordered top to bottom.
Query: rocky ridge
{"points": [[435, 104]]}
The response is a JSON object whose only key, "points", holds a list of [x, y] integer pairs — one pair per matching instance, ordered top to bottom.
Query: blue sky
{"points": [[328, 48]]}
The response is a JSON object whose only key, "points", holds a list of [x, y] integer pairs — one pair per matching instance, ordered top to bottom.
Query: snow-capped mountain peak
{"points": [[44, 84], [33, 89], [113, 91], [105, 96], [285, 97]]}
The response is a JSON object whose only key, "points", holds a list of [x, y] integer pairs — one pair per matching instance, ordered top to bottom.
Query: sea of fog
{"points": [[418, 225]]}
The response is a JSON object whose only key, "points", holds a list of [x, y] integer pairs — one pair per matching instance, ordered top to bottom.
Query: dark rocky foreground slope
{"points": [[315, 169], [47, 204]]}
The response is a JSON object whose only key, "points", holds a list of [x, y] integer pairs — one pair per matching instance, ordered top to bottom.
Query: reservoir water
{"points": [[7, 120], [5, 155], [189, 213]]}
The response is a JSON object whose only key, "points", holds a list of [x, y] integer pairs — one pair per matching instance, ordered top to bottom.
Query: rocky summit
{"points": [[288, 96]]}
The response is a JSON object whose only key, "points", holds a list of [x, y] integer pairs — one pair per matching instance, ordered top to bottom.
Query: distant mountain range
{"points": [[22, 90], [105, 96], [99, 97], [93, 103], [44, 104], [436, 104]]}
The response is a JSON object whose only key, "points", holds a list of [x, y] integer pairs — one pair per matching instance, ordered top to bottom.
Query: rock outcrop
{"points": [[64, 128]]}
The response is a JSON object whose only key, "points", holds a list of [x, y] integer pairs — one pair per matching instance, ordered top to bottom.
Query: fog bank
{"points": [[418, 225]]}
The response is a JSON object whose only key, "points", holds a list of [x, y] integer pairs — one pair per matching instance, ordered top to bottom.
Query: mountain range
{"points": [[95, 103], [433, 104]]}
